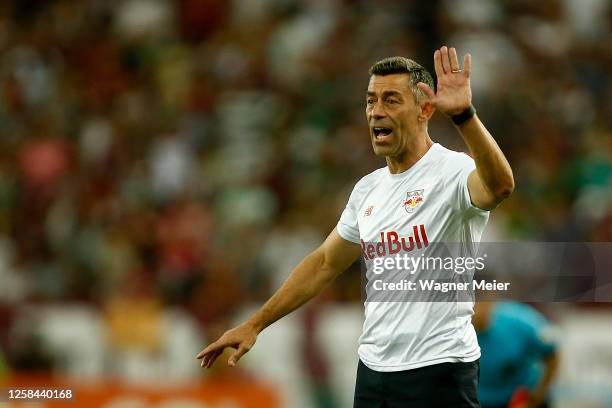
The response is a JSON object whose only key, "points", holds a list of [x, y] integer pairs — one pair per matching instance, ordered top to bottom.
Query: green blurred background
{"points": [[164, 164]]}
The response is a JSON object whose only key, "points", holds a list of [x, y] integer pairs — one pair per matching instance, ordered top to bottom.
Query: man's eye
{"points": [[370, 101], [392, 101]]}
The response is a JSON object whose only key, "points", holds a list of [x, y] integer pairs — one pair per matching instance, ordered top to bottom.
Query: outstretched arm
{"points": [[492, 181], [307, 280], [540, 392]]}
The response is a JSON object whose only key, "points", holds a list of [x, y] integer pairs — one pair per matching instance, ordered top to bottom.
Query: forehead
{"points": [[393, 82]]}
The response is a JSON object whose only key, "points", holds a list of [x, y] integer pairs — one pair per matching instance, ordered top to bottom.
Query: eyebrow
{"points": [[385, 93]]}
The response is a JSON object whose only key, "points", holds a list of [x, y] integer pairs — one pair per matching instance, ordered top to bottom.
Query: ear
{"points": [[427, 110]]}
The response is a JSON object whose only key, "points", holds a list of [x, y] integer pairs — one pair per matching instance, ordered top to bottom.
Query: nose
{"points": [[377, 111]]}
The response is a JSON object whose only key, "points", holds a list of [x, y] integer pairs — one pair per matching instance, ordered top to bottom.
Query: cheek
{"points": [[410, 118]]}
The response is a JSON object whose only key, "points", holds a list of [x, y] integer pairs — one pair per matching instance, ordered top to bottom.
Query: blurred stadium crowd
{"points": [[164, 164]]}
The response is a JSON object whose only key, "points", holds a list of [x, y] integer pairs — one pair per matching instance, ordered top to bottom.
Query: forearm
{"points": [[491, 164], [306, 281], [541, 390]]}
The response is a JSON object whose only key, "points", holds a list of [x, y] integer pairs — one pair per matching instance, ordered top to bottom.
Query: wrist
{"points": [[462, 117], [255, 324], [536, 398]]}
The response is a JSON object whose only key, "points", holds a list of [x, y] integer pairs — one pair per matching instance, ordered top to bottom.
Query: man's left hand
{"points": [[454, 93]]}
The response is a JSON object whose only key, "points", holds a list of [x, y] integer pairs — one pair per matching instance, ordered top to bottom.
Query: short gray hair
{"points": [[402, 65]]}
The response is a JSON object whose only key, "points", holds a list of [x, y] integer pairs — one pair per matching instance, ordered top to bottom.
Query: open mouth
{"points": [[381, 132]]}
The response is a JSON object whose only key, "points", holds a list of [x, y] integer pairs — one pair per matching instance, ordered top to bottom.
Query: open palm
{"points": [[454, 93]]}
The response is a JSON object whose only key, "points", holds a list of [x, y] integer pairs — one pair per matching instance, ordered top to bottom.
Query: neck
{"points": [[415, 149]]}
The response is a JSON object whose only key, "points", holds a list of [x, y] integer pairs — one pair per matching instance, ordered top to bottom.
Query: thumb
{"points": [[425, 88], [242, 350]]}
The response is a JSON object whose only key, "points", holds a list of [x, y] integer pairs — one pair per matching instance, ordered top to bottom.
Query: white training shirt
{"points": [[431, 197]]}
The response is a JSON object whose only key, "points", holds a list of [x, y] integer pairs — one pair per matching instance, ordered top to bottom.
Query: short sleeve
{"points": [[458, 170], [348, 225], [544, 334], [547, 339]]}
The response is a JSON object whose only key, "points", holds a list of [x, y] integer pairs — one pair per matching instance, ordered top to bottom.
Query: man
{"points": [[411, 354], [519, 355]]}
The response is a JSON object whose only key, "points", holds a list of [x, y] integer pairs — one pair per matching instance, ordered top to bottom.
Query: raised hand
{"points": [[454, 94], [241, 338]]}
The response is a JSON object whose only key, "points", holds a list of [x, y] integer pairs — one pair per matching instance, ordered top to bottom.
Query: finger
{"points": [[445, 60], [454, 61], [438, 63], [467, 65], [425, 88], [219, 344], [208, 349], [242, 350], [203, 353], [213, 357], [207, 358], [210, 358]]}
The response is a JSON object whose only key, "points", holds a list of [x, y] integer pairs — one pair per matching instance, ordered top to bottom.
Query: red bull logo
{"points": [[413, 200], [392, 243]]}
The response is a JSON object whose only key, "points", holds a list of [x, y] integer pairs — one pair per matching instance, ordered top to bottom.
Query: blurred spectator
{"points": [[199, 147], [519, 355]]}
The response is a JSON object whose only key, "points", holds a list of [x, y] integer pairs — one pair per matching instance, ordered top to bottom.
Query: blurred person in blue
{"points": [[519, 355]]}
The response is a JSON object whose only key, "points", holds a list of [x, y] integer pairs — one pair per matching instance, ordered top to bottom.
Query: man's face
{"points": [[392, 114]]}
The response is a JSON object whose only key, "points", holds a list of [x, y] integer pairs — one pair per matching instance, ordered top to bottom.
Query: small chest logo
{"points": [[413, 200], [368, 211]]}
